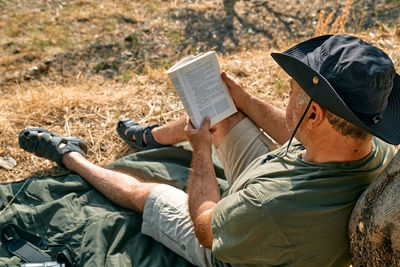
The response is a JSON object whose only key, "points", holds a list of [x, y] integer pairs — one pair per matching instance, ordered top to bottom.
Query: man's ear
{"points": [[315, 115]]}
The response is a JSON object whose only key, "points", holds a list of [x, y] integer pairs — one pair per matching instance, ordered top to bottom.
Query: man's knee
{"points": [[220, 129]]}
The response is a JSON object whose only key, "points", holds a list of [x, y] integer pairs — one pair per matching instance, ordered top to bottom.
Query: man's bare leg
{"points": [[174, 132], [170, 133], [120, 188], [126, 190], [132, 193]]}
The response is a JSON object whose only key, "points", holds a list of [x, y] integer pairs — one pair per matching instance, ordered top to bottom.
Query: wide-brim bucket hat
{"points": [[350, 78]]}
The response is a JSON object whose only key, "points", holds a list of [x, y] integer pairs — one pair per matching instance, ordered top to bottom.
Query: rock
{"points": [[33, 69], [108, 74], [7, 162], [374, 226]]}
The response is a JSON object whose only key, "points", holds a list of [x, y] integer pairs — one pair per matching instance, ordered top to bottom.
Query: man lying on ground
{"points": [[287, 206]]}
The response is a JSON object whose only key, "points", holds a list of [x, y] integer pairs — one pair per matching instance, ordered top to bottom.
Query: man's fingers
{"points": [[225, 77], [229, 82], [187, 119], [206, 123], [189, 126], [191, 131], [199, 138]]}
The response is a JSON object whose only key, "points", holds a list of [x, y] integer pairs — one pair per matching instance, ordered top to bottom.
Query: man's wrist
{"points": [[244, 101], [204, 150]]}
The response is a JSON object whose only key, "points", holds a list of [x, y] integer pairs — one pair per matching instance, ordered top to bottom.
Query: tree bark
{"points": [[374, 226]]}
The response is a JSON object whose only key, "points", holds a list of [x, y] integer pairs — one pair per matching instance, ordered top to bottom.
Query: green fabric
{"points": [[67, 210], [283, 212], [290, 212]]}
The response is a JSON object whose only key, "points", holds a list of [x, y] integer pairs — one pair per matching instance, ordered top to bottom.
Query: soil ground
{"points": [[78, 66]]}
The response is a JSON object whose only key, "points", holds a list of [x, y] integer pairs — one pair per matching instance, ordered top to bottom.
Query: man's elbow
{"points": [[203, 229], [205, 241]]}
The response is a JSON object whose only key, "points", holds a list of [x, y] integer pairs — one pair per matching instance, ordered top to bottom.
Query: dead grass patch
{"points": [[90, 106]]}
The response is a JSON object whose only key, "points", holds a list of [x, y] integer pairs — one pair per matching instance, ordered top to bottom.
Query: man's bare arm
{"points": [[266, 116], [203, 188]]}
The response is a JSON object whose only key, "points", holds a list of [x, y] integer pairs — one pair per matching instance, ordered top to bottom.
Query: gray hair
{"points": [[302, 98], [340, 125], [346, 128]]}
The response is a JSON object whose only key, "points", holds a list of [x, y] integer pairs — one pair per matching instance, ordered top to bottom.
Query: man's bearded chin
{"points": [[291, 123]]}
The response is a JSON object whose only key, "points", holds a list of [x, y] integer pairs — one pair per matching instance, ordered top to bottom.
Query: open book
{"points": [[199, 85]]}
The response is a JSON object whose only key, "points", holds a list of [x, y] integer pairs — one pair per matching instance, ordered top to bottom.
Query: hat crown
{"points": [[361, 74], [351, 79]]}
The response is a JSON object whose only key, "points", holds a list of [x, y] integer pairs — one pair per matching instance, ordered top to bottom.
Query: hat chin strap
{"points": [[297, 127]]}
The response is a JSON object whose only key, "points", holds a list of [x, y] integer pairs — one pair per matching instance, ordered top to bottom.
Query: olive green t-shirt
{"points": [[284, 211]]}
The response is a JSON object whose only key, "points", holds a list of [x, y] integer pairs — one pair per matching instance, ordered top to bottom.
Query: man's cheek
{"points": [[291, 118], [288, 119]]}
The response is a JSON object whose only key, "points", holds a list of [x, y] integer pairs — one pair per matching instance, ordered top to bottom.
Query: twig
{"points": [[254, 83], [147, 119], [67, 125], [91, 137], [34, 161], [13, 198]]}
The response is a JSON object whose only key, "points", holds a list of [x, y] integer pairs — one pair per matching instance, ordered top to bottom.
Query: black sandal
{"points": [[132, 128], [47, 146]]}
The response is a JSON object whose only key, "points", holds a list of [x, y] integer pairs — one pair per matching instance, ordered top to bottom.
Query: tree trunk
{"points": [[374, 226]]}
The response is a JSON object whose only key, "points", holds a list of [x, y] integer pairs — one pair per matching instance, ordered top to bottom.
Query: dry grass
{"points": [[325, 25], [90, 106]]}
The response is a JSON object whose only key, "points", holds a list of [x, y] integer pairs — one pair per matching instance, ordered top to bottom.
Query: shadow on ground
{"points": [[234, 25]]}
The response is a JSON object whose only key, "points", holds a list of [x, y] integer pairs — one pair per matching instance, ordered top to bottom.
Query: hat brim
{"points": [[322, 92]]}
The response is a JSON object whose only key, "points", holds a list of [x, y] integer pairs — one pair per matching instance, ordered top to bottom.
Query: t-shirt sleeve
{"points": [[244, 232]]}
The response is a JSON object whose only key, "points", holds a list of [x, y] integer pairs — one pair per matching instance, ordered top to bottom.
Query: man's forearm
{"points": [[266, 116], [204, 194]]}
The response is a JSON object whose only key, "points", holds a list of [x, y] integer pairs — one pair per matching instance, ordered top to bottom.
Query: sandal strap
{"points": [[125, 124], [131, 128], [136, 131], [143, 138], [150, 141], [30, 143], [32, 146], [47, 146], [71, 146], [44, 147]]}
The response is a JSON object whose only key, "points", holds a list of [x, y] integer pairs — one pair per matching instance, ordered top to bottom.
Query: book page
{"points": [[181, 63], [178, 85], [201, 89], [209, 92]]}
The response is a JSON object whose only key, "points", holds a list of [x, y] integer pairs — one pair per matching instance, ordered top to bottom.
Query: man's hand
{"points": [[236, 90], [199, 139], [203, 188]]}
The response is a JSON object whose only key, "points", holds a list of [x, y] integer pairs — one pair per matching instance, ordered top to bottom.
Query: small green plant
{"points": [[111, 25], [174, 36], [133, 40], [38, 42], [115, 64], [99, 67], [126, 76], [279, 84]]}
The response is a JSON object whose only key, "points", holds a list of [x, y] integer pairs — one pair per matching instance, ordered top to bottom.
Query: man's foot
{"points": [[137, 136], [47, 145]]}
